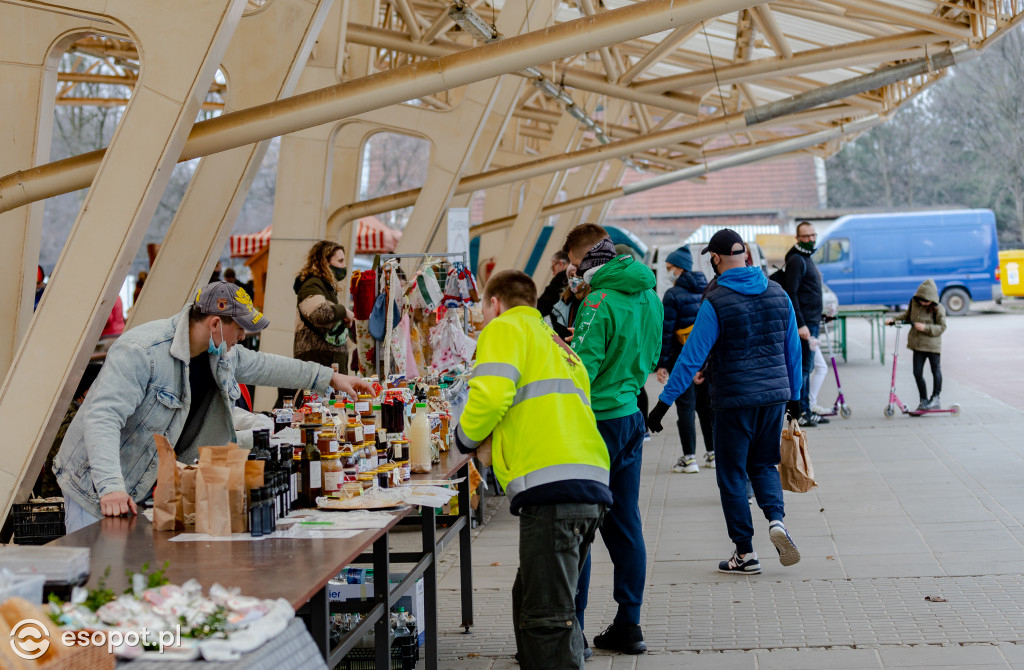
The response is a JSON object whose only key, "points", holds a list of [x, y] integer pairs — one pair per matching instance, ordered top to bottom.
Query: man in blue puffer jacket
{"points": [[681, 304], [747, 328]]}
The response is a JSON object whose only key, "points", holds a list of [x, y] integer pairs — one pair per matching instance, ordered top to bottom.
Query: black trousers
{"points": [[933, 359]]}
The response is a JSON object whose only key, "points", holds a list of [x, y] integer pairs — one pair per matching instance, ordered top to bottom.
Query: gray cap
{"points": [[225, 299]]}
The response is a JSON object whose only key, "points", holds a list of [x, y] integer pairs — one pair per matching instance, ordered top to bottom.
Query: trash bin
{"points": [[1011, 269]]}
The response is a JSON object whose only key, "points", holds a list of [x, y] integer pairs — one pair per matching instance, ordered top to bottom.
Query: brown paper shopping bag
{"points": [[234, 459], [795, 469], [188, 492], [167, 504], [213, 511]]}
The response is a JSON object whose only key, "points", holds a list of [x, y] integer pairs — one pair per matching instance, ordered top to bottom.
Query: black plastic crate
{"points": [[38, 523], [405, 653]]}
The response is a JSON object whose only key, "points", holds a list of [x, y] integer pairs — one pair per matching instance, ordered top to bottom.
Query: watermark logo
{"points": [[30, 639]]}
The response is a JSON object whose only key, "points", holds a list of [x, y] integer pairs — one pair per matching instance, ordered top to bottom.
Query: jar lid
{"points": [[364, 395], [421, 404], [400, 441], [327, 457], [364, 477]]}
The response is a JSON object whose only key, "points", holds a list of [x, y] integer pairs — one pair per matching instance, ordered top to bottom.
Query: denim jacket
{"points": [[143, 389]]}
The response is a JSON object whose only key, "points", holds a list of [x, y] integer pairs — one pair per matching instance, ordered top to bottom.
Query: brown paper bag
{"points": [[234, 459], [795, 469], [188, 492], [167, 508], [213, 511]]}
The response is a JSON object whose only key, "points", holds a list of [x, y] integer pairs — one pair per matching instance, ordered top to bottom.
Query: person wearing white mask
{"points": [[176, 377]]}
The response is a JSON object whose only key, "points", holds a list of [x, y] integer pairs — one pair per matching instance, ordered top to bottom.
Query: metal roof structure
{"points": [[537, 106]]}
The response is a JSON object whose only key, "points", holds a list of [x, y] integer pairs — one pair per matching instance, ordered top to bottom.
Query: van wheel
{"points": [[956, 301]]}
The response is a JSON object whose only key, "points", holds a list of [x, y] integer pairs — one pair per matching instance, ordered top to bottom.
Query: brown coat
{"points": [[319, 314], [933, 319]]}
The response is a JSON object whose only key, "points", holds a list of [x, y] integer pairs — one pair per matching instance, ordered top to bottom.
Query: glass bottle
{"points": [[419, 440], [312, 482]]}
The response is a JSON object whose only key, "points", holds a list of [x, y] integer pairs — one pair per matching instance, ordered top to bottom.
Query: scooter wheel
{"points": [[954, 409], [845, 411], [889, 412]]}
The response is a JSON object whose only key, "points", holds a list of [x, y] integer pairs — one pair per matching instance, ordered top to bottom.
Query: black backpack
{"points": [[779, 275]]}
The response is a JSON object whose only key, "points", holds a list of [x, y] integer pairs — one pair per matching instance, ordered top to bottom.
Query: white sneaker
{"points": [[821, 411], [709, 460], [687, 464]]}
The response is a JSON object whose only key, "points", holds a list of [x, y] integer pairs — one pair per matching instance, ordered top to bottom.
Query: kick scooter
{"points": [[894, 401], [839, 406]]}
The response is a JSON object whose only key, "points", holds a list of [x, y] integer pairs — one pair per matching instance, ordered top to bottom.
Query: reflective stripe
{"points": [[496, 370], [549, 387], [461, 435], [556, 473]]}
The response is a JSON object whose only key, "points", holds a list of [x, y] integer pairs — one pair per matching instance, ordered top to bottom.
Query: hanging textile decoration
{"points": [[459, 287], [363, 289], [428, 291], [450, 344]]}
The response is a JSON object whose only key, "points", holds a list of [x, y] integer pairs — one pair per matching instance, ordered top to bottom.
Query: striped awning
{"points": [[373, 237]]}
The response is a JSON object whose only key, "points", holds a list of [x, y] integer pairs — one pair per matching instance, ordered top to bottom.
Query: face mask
{"points": [[809, 247], [714, 266], [339, 273], [574, 283], [212, 348]]}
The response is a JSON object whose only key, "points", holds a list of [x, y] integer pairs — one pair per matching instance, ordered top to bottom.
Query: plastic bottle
{"points": [[419, 440], [401, 629]]}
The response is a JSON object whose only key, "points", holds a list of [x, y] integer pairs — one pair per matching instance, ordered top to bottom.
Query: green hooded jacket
{"points": [[934, 320], [618, 335]]}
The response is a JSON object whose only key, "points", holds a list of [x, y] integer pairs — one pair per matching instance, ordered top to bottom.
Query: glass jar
{"points": [[364, 408], [354, 432], [327, 443], [400, 450], [371, 454], [403, 466], [332, 472], [384, 478], [365, 479]]}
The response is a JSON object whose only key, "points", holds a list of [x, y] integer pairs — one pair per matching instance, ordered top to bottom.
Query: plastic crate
{"points": [[38, 523], [405, 653]]}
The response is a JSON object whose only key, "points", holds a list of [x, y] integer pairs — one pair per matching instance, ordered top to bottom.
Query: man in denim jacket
{"points": [[176, 377]]}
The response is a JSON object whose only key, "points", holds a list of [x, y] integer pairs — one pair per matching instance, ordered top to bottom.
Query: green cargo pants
{"points": [[554, 541]]}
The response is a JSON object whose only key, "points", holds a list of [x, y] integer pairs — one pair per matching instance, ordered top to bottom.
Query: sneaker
{"points": [[934, 403], [923, 405], [820, 411], [819, 419], [807, 420], [647, 438], [709, 460], [687, 464], [751, 500], [788, 553], [745, 564], [625, 638], [588, 653]]}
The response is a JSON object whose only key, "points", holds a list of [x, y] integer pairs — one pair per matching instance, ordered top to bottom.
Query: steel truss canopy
{"points": [[787, 69]]}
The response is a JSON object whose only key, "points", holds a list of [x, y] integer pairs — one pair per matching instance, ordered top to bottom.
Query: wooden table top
{"points": [[292, 569]]}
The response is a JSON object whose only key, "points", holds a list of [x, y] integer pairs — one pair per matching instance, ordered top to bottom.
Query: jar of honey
{"points": [[332, 473]]}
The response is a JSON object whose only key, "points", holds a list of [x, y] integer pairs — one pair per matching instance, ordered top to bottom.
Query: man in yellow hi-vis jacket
{"points": [[531, 394]]}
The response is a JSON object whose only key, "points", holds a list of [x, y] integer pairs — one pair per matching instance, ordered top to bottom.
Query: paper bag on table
{"points": [[234, 459], [795, 469], [188, 492], [167, 505], [213, 513]]}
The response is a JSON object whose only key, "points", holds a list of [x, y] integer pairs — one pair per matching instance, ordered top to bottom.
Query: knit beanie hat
{"points": [[681, 258]]}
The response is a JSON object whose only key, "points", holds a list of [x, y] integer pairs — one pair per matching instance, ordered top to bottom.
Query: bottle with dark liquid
{"points": [[309, 462]]}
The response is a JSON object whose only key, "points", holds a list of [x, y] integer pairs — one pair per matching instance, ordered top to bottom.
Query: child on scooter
{"points": [[928, 318]]}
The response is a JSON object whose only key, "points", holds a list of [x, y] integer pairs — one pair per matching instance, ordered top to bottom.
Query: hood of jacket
{"points": [[625, 275], [747, 280], [691, 282], [927, 291]]}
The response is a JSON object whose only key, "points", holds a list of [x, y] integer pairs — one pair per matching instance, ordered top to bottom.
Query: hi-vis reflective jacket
{"points": [[533, 396]]}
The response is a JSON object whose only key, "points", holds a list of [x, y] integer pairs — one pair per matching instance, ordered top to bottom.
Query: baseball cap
{"points": [[722, 243], [221, 298]]}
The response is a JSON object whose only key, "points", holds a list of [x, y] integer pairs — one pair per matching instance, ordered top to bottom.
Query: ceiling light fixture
{"points": [[464, 17]]}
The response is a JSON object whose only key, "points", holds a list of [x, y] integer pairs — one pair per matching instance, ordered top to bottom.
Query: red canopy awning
{"points": [[373, 237]]}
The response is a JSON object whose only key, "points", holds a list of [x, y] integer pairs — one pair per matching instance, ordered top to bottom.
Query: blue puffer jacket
{"points": [[681, 304]]}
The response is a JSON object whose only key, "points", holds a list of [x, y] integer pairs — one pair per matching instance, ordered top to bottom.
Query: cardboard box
{"points": [[412, 601]]}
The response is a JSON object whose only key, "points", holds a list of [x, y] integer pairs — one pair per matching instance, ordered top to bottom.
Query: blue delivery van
{"points": [[882, 258]]}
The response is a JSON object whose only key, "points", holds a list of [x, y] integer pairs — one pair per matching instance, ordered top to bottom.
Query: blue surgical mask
{"points": [[212, 348]]}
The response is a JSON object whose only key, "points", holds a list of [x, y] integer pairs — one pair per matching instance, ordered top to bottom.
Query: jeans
{"points": [[934, 360], [808, 365], [818, 374], [686, 406], [747, 445], [75, 516], [622, 529], [554, 542]]}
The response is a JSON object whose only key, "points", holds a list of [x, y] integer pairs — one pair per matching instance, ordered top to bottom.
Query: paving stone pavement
{"points": [[906, 509]]}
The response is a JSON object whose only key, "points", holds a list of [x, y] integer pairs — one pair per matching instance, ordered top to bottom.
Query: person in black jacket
{"points": [[559, 282], [802, 282], [681, 304]]}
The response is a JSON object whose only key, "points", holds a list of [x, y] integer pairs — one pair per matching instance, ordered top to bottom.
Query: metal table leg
{"points": [[429, 526], [465, 551], [382, 594], [320, 622]]}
